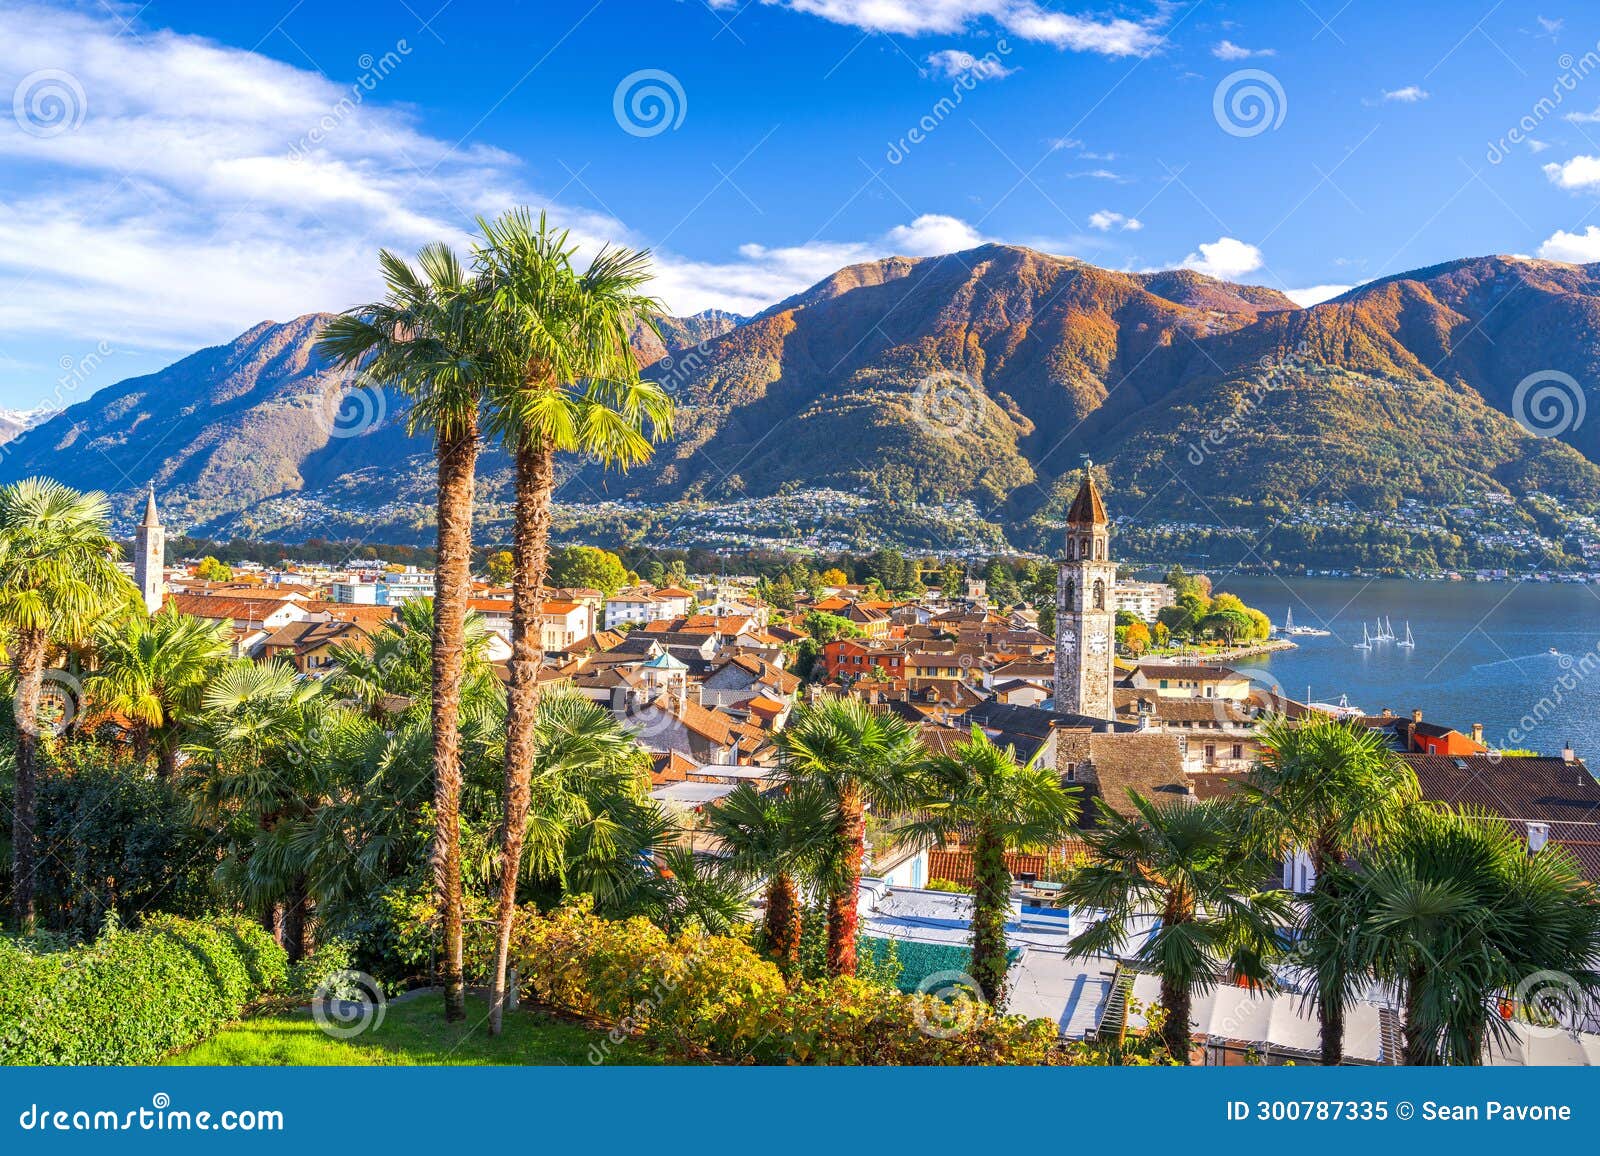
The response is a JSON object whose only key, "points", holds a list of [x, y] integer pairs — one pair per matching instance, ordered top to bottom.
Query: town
{"points": [[706, 672]]}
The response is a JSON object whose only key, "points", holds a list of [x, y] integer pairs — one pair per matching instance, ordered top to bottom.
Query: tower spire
{"points": [[151, 516]]}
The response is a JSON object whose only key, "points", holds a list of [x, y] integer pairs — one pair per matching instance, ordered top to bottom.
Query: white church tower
{"points": [[150, 556], [1085, 616]]}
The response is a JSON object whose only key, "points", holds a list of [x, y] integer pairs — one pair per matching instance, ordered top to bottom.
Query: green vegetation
{"points": [[588, 566], [132, 996], [714, 998], [411, 1032]]}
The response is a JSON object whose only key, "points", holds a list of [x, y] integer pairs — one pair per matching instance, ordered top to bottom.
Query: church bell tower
{"points": [[150, 556], [1086, 617]]}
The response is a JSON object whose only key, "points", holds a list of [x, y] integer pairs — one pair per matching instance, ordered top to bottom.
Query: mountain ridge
{"points": [[980, 378]]}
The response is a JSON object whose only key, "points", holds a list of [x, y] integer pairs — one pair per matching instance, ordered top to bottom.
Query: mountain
{"points": [[948, 402], [15, 422]]}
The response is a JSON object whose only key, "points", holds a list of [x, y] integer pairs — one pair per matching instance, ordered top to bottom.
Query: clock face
{"points": [[1069, 640], [1097, 642]]}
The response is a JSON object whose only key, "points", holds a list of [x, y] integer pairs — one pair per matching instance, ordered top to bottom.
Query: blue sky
{"points": [[173, 173]]}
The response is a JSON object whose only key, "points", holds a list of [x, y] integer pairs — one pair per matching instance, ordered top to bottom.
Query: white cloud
{"points": [[1025, 19], [1228, 50], [954, 63], [1410, 94], [1583, 117], [1536, 146], [1581, 172], [175, 214], [1105, 220], [1578, 248], [1226, 259], [1315, 294]]}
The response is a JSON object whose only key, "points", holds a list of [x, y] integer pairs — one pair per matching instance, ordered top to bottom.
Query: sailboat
{"points": [[1299, 631], [1381, 631], [1366, 639], [1408, 642]]}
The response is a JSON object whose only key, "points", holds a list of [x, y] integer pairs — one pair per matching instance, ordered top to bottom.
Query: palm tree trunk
{"points": [[457, 459], [535, 485], [30, 649], [141, 743], [167, 757], [991, 903], [843, 918], [295, 923], [783, 924], [1176, 998], [1330, 1000], [1419, 1050]]}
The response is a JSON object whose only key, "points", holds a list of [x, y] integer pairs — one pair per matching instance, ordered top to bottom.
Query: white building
{"points": [[353, 593], [1146, 599]]}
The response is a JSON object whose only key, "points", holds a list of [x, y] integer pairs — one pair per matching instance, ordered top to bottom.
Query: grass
{"points": [[412, 1032]]}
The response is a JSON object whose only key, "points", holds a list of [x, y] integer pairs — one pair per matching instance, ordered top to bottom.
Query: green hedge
{"points": [[133, 996]]}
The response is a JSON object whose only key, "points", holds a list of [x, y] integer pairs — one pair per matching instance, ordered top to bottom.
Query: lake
{"points": [[1483, 653]]}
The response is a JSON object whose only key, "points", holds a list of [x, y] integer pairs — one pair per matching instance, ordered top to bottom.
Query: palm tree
{"points": [[420, 338], [565, 381], [58, 578], [396, 662], [152, 671], [256, 748], [859, 758], [1326, 788], [982, 791], [573, 808], [783, 835], [1187, 865], [1459, 917]]}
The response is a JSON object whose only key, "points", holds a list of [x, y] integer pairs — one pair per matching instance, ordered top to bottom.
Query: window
{"points": [[1099, 594], [1238, 750], [1211, 752], [1072, 772]]}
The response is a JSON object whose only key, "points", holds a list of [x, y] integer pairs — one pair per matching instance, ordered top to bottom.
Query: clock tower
{"points": [[1086, 618]]}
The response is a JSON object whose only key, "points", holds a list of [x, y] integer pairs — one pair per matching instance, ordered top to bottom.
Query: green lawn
{"points": [[412, 1032]]}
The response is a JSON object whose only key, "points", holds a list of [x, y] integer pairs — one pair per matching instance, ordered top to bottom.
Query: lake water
{"points": [[1483, 653]]}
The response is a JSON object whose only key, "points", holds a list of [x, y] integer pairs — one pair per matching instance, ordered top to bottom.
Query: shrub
{"points": [[120, 841], [133, 996], [699, 996]]}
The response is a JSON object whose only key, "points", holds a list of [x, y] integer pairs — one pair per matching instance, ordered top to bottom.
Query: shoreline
{"points": [[1271, 646]]}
